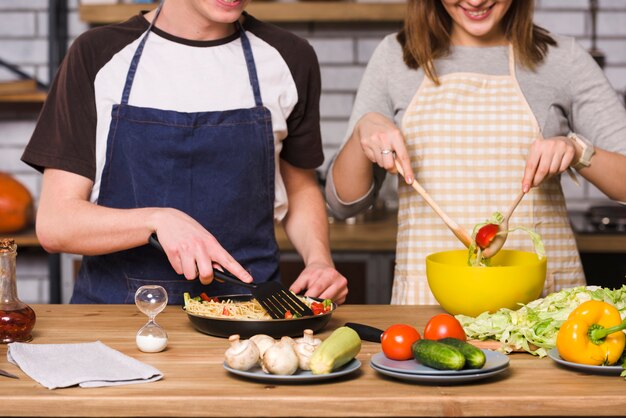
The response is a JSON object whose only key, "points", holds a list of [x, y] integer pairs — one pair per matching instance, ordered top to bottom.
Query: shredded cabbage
{"points": [[534, 326]]}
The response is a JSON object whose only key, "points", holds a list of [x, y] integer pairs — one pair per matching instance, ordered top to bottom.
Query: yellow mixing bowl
{"points": [[514, 277]]}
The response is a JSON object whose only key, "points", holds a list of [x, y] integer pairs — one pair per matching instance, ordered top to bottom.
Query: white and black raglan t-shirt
{"points": [[179, 75]]}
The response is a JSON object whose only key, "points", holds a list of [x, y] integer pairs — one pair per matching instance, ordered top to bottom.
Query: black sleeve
{"points": [[64, 136], [303, 145]]}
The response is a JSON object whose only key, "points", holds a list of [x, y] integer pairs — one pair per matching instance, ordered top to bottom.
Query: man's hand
{"points": [[192, 250], [322, 281]]}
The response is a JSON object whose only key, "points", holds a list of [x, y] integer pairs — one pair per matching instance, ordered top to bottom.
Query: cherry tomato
{"points": [[485, 235], [442, 326], [397, 341]]}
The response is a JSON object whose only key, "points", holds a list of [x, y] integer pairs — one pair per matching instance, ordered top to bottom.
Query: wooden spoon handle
{"points": [[516, 202], [459, 232]]}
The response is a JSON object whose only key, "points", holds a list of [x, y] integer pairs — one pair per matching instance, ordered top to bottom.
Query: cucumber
{"points": [[438, 355], [474, 356]]}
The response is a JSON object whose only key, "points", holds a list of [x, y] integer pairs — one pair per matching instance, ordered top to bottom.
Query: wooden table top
{"points": [[196, 384]]}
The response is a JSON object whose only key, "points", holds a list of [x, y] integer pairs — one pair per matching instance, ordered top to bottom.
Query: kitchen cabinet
{"points": [[273, 11], [369, 274], [196, 384]]}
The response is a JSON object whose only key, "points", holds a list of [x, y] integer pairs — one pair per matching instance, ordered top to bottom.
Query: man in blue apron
{"points": [[198, 123]]}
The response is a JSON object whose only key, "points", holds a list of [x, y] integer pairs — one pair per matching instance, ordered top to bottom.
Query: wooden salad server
{"points": [[459, 232], [500, 238]]}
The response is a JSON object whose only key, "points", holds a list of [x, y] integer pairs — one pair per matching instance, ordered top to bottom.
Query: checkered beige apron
{"points": [[468, 139]]}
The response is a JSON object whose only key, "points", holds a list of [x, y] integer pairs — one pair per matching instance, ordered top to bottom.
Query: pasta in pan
{"points": [[213, 307], [227, 308]]}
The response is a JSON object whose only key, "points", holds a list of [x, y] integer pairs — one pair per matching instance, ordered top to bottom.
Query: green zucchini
{"points": [[335, 351], [438, 355], [474, 356]]}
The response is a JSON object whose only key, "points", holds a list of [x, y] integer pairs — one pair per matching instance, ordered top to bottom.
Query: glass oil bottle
{"points": [[17, 319]]}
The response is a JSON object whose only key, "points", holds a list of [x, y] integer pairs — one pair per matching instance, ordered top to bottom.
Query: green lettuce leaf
{"points": [[474, 254], [534, 326]]}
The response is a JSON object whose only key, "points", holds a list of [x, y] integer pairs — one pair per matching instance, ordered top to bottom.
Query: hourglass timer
{"points": [[151, 300]]}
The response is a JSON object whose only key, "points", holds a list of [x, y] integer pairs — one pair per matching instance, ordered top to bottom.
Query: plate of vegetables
{"points": [[223, 316], [305, 359], [494, 361], [610, 370], [257, 373]]}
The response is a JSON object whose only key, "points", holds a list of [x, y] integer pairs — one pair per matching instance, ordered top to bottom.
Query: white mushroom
{"points": [[308, 338], [290, 340], [263, 342], [305, 347], [304, 353], [242, 354], [280, 358]]}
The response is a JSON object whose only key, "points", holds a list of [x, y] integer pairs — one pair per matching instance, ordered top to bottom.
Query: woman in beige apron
{"points": [[473, 142], [474, 155]]}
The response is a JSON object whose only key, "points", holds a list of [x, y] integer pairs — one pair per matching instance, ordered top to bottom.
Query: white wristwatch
{"points": [[587, 150]]}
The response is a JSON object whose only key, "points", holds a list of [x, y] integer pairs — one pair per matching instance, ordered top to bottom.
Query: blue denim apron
{"points": [[218, 167]]}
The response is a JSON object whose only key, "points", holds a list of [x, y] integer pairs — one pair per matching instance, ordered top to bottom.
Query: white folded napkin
{"points": [[85, 364]]}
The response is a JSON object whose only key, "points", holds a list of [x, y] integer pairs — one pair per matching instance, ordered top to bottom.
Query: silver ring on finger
{"points": [[385, 152]]}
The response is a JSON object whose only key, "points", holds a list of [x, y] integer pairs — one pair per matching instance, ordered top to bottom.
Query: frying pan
{"points": [[225, 327]]}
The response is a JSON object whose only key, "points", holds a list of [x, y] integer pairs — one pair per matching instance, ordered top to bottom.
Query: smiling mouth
{"points": [[478, 13]]}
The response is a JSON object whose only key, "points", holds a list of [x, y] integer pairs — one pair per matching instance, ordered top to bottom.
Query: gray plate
{"points": [[494, 361], [613, 370], [300, 376], [439, 379]]}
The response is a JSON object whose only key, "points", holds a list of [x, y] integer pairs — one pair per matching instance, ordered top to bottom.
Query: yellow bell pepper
{"points": [[592, 334]]}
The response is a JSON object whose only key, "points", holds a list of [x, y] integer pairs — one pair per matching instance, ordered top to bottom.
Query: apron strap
{"points": [[512, 62], [132, 70], [252, 74], [520, 93]]}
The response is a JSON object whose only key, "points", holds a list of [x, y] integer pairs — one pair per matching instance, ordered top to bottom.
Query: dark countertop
{"points": [[380, 236]]}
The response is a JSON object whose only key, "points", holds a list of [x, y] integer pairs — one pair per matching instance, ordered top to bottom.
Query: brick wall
{"points": [[343, 51]]}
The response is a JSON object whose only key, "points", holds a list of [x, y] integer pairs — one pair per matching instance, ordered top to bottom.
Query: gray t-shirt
{"points": [[567, 92]]}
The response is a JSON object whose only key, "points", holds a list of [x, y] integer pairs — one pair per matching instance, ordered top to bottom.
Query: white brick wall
{"points": [[18, 24], [23, 42], [343, 51], [32, 276]]}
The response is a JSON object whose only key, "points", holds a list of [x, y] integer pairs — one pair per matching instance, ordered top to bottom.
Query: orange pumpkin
{"points": [[16, 205]]}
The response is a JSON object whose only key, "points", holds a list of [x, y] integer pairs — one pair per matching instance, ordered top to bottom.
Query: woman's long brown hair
{"points": [[427, 29]]}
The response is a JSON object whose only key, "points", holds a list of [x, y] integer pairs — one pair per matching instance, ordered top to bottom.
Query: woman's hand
{"points": [[381, 140], [547, 158], [191, 249], [321, 281]]}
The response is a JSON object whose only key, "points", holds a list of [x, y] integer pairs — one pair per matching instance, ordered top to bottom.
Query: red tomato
{"points": [[486, 234], [317, 308], [442, 326], [397, 341]]}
